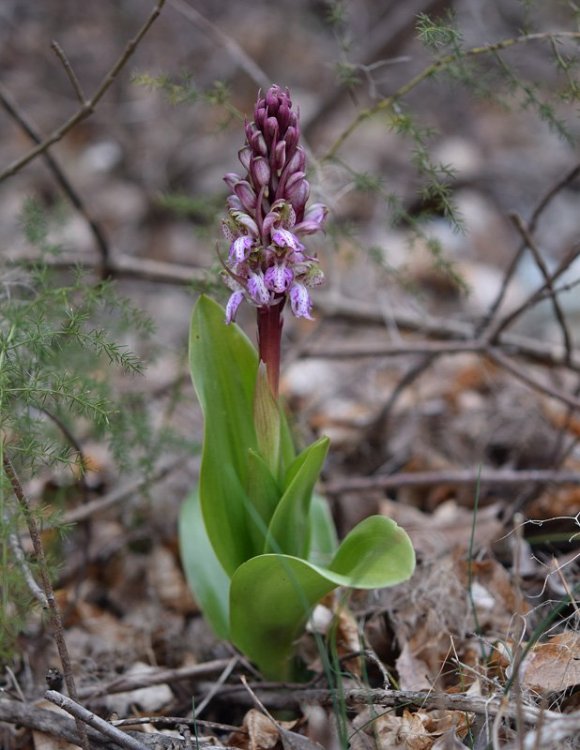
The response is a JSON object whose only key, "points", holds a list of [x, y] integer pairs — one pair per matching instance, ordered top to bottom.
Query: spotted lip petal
{"points": [[300, 301]]}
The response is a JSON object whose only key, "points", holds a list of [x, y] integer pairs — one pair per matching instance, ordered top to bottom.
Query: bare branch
{"points": [[70, 72], [428, 72], [89, 106], [12, 109], [532, 224], [558, 312], [459, 477], [53, 609], [88, 717]]}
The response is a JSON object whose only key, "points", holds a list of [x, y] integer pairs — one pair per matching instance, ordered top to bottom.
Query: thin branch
{"points": [[385, 40], [246, 63], [428, 72], [75, 83], [89, 106], [12, 109], [544, 202], [124, 266], [356, 311], [558, 312], [493, 332], [510, 366], [458, 478], [121, 493], [21, 561], [58, 629], [221, 680], [136, 681], [281, 697], [88, 717], [59, 725]]}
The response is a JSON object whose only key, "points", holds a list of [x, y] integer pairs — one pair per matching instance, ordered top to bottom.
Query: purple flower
{"points": [[267, 214], [285, 238], [239, 249], [278, 278], [257, 289], [300, 301], [232, 307]]}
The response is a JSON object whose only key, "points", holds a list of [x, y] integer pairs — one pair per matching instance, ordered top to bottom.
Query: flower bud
{"points": [[272, 101], [283, 117], [271, 129], [258, 143], [244, 155], [280, 155], [297, 162], [260, 171], [231, 179], [298, 194], [247, 196]]}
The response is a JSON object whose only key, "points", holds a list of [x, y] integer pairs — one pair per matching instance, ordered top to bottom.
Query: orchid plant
{"points": [[258, 544]]}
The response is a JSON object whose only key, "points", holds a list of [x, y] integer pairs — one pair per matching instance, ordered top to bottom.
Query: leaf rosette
{"points": [[258, 544]]}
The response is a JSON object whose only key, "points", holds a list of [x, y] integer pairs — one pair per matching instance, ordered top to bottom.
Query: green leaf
{"points": [[223, 368], [267, 422], [264, 495], [289, 530], [323, 539], [203, 571], [271, 596]]}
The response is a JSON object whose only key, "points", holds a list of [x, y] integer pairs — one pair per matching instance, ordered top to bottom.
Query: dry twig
{"points": [[88, 106], [55, 616]]}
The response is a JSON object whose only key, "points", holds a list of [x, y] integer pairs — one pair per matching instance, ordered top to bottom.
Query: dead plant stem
{"points": [[54, 612]]}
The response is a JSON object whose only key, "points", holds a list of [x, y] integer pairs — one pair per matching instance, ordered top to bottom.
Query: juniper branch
{"points": [[443, 62]]}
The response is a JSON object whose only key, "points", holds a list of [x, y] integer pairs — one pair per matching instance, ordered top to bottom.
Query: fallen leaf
{"points": [[448, 527], [168, 581], [553, 666], [413, 672]]}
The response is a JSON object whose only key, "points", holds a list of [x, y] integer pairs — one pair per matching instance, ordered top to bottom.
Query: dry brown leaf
{"points": [[448, 527], [168, 581], [496, 600], [553, 666], [413, 672], [406, 732], [258, 733]]}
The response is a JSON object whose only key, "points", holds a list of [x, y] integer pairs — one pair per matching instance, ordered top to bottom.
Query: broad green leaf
{"points": [[223, 368], [267, 422], [287, 450], [264, 494], [289, 530], [323, 539], [203, 571], [271, 596]]}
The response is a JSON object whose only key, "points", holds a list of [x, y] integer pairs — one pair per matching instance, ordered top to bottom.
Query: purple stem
{"points": [[269, 338]]}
